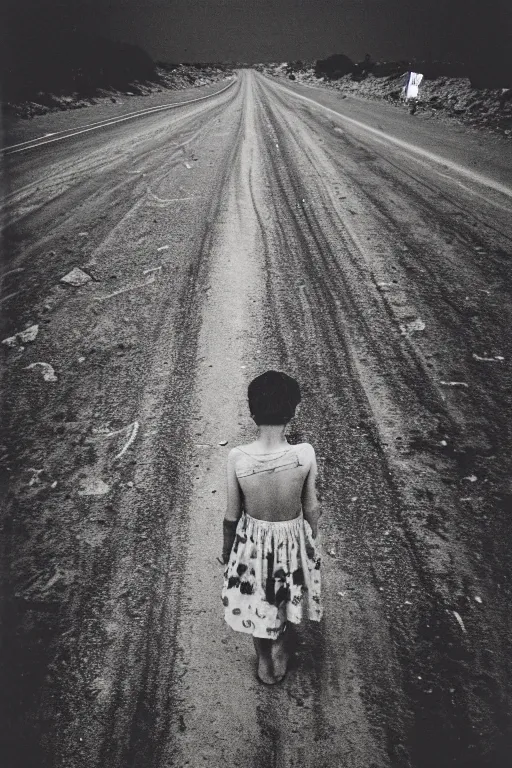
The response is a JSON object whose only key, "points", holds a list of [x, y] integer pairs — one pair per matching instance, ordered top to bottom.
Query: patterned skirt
{"points": [[273, 576]]}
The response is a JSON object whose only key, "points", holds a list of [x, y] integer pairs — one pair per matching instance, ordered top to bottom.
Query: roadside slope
{"points": [[442, 99]]}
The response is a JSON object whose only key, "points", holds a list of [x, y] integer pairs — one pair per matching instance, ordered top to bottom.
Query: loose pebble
{"points": [[76, 277], [413, 326], [29, 334], [22, 337], [11, 342], [496, 358], [46, 369], [454, 384], [35, 477], [92, 487], [459, 621]]}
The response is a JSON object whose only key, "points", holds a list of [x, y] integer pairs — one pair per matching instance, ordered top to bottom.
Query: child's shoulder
{"points": [[305, 448], [238, 452], [306, 453]]}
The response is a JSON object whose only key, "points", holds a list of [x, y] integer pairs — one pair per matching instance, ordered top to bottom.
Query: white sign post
{"points": [[413, 84]]}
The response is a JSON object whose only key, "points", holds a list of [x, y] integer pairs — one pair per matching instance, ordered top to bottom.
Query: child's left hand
{"points": [[221, 561]]}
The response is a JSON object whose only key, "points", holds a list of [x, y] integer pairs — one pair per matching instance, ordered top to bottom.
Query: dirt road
{"points": [[266, 226]]}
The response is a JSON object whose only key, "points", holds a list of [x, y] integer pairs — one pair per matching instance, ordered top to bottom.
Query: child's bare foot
{"points": [[279, 654], [265, 674]]}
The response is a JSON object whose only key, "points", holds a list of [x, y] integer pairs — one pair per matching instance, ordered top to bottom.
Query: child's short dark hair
{"points": [[273, 398]]}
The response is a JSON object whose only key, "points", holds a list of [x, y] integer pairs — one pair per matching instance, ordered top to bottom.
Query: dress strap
{"points": [[272, 454], [277, 464]]}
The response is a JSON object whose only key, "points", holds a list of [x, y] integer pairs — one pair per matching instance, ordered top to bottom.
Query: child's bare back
{"points": [[276, 484]]}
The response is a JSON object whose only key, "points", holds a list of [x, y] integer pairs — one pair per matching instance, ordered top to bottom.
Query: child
{"points": [[273, 565]]}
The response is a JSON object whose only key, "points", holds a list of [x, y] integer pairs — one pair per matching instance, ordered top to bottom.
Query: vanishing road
{"points": [[270, 225]]}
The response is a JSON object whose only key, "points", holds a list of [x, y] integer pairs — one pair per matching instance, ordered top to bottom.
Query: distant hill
{"points": [[72, 62]]}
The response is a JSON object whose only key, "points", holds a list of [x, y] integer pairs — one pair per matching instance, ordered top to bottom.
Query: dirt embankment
{"points": [[166, 77], [448, 98]]}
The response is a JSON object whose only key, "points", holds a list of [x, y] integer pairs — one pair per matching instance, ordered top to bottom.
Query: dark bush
{"points": [[334, 67], [363, 68], [390, 68]]}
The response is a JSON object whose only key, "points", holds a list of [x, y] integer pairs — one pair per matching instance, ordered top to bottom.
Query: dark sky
{"points": [[256, 30], [259, 30]]}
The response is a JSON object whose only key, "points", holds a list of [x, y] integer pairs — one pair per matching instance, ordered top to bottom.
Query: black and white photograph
{"points": [[256, 384]]}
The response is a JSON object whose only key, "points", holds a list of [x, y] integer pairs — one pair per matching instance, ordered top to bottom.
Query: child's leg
{"points": [[263, 650], [280, 655]]}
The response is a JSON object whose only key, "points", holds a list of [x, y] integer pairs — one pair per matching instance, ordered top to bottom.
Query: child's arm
{"points": [[310, 505], [233, 508]]}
